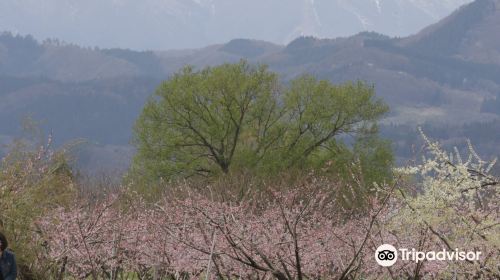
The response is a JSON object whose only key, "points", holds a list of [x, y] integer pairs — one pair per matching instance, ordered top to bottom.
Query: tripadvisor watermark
{"points": [[387, 255]]}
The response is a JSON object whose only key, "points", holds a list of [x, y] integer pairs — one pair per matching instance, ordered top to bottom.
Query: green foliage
{"points": [[317, 112], [237, 117], [198, 119], [375, 157]]}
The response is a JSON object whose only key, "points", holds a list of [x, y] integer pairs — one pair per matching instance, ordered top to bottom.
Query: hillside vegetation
{"points": [[446, 75], [235, 226]]}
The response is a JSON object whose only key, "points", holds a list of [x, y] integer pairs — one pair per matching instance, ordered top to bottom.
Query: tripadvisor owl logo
{"points": [[387, 255]]}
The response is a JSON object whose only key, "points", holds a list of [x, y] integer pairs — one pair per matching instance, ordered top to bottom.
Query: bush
{"points": [[32, 183], [454, 206], [286, 232]]}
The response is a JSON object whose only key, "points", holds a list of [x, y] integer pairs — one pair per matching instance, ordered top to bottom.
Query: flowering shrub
{"points": [[32, 183], [457, 204], [302, 232], [295, 234]]}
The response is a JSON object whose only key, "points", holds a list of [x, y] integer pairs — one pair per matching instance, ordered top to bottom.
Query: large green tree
{"points": [[238, 116]]}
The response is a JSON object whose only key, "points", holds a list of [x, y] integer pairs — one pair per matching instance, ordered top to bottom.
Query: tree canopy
{"points": [[239, 116]]}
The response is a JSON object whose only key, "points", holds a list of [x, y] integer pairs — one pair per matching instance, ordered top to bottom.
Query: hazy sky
{"points": [[167, 24]]}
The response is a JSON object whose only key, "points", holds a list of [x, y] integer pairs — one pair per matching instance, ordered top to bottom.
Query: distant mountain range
{"points": [[167, 24], [446, 77]]}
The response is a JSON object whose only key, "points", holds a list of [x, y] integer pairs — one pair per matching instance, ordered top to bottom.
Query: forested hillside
{"points": [[446, 76]]}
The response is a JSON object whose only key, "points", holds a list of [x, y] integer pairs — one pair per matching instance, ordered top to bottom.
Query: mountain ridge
{"points": [[160, 24]]}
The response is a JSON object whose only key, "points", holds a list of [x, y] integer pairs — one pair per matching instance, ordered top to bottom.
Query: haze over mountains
{"points": [[167, 24], [446, 77]]}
